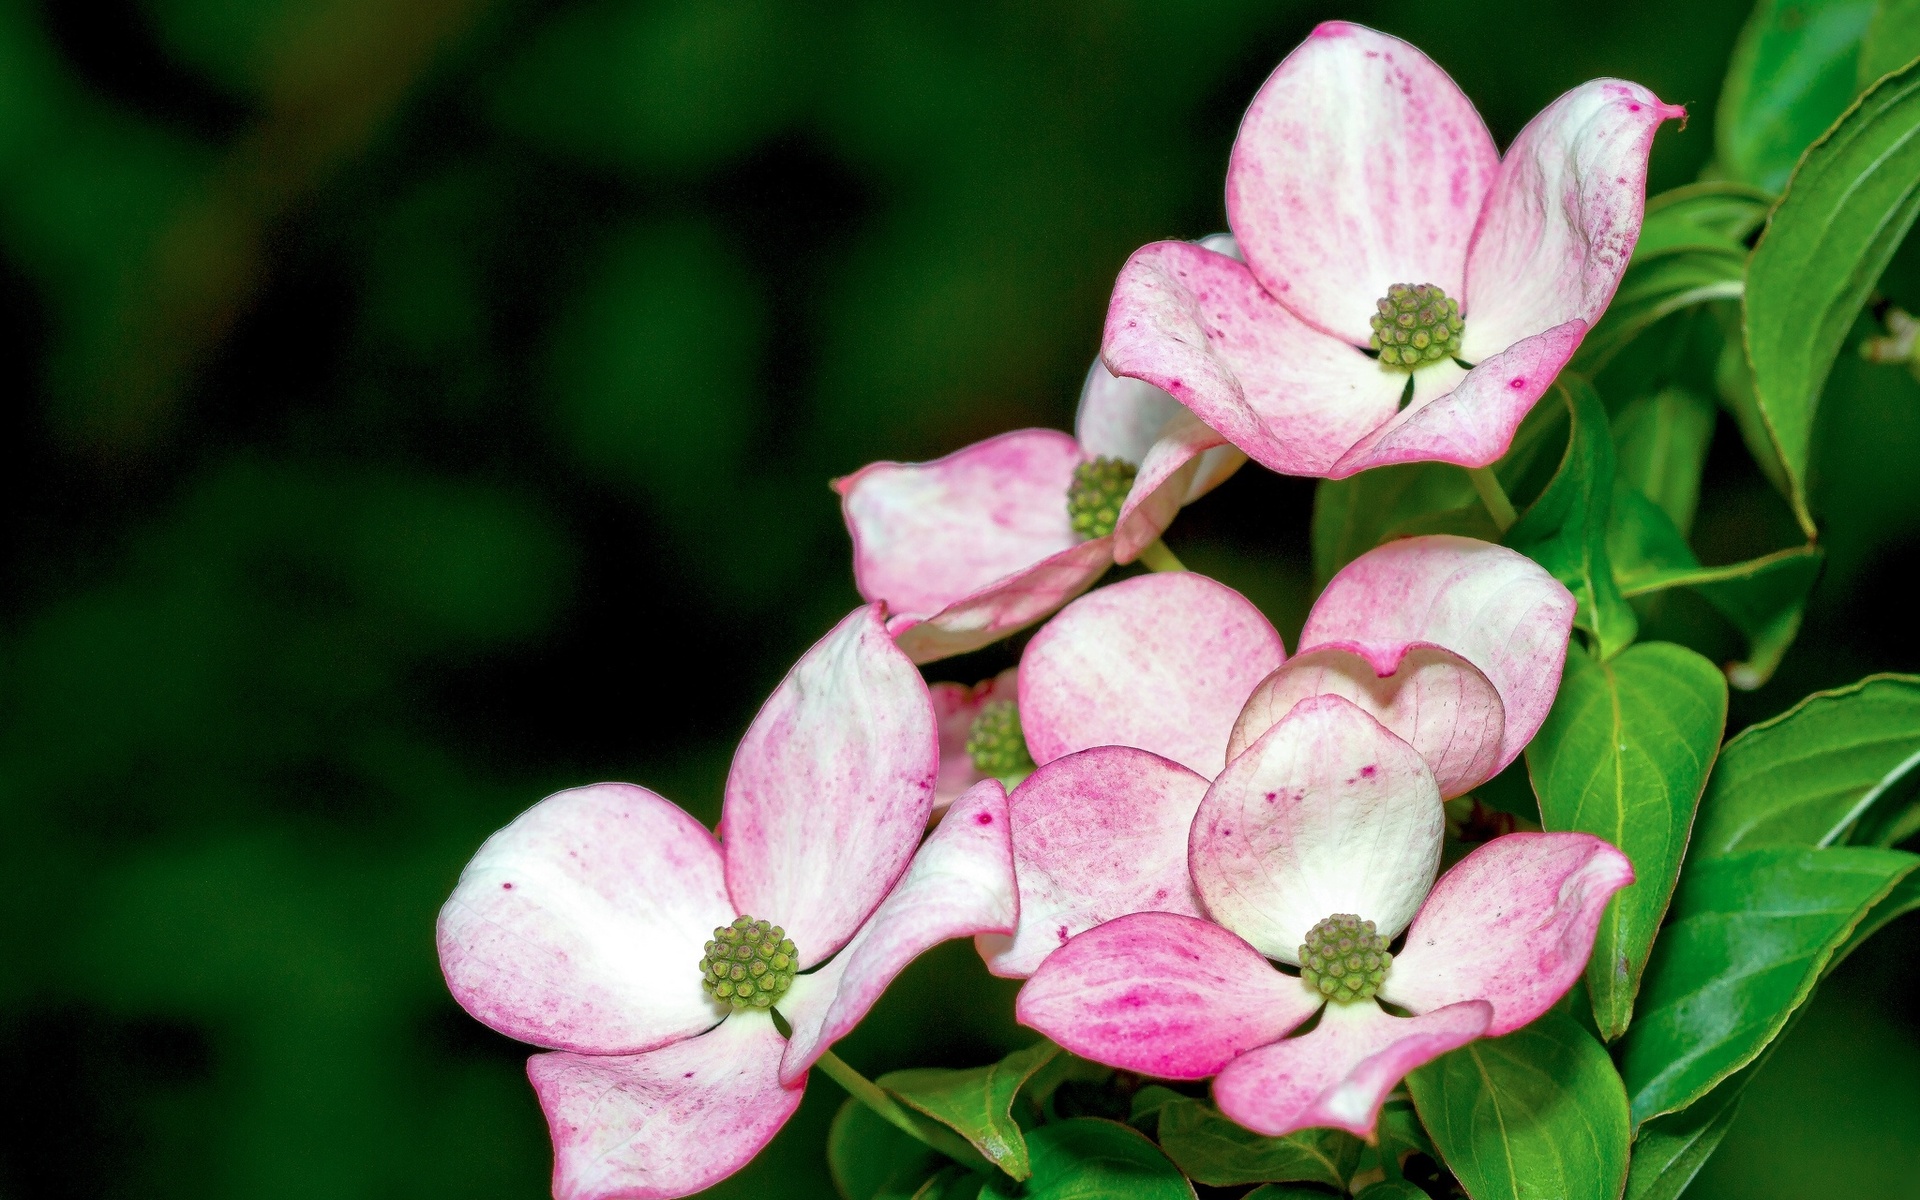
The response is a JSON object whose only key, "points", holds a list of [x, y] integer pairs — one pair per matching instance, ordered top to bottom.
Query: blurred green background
{"points": [[417, 406]]}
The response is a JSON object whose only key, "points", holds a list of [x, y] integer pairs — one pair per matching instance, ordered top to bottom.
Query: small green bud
{"points": [[1416, 325], [1094, 497], [996, 743], [1344, 959], [748, 964]]}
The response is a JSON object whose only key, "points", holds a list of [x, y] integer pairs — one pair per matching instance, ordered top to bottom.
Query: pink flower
{"points": [[1362, 178], [971, 547], [1138, 695], [956, 707], [1317, 847], [585, 925]]}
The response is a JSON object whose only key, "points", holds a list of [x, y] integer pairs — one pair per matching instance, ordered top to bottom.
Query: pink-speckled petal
{"points": [[1359, 165], [1563, 215], [1198, 326], [1118, 417], [1473, 422], [1188, 461], [1005, 607], [1495, 608], [1159, 662], [1434, 700], [955, 707], [831, 788], [1327, 812], [1096, 835], [960, 885], [1511, 924], [581, 925], [1168, 996], [1338, 1075], [668, 1123]]}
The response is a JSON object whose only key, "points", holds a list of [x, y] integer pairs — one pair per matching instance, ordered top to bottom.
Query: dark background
{"points": [[412, 408]]}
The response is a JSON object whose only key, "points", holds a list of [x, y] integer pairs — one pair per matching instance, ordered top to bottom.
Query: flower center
{"points": [[1416, 325], [1094, 497], [996, 743], [1344, 959], [749, 964]]}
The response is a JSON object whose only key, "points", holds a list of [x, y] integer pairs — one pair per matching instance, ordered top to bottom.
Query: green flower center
{"points": [[1416, 325], [1094, 497], [996, 743], [1344, 959], [749, 964]]}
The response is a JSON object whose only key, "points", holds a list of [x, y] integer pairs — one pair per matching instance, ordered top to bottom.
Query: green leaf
{"points": [[1892, 41], [1792, 73], [1850, 203], [1712, 214], [1659, 288], [1660, 449], [1351, 516], [1565, 530], [1624, 755], [1808, 776], [1903, 899], [1750, 935], [977, 1103], [1539, 1112], [1670, 1150], [1215, 1151], [1090, 1159], [871, 1160], [1392, 1189], [1275, 1191]]}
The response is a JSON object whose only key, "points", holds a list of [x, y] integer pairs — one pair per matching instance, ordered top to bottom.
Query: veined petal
{"points": [[1359, 165], [1563, 215], [1198, 326], [1189, 460], [1003, 607], [1497, 609], [1159, 662], [1434, 700], [956, 707], [831, 788], [1327, 812], [1096, 835], [960, 884], [1511, 924], [581, 925], [1168, 996], [1338, 1075], [668, 1123]]}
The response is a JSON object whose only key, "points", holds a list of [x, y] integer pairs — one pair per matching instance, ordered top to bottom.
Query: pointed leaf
{"points": [[1892, 41], [1792, 73], [1712, 214], [1660, 287], [1660, 446], [977, 1103], [1671, 1150], [1215, 1151], [1089, 1159], [871, 1160]]}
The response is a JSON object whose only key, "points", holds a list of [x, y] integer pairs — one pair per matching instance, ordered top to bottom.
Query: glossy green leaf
{"points": [[1892, 41], [1792, 74], [1847, 209], [1712, 214], [1660, 287], [1733, 383], [1660, 447], [1351, 516], [1565, 530], [1624, 755], [1808, 776], [1903, 899], [1749, 938], [977, 1103], [1539, 1112], [1670, 1150], [1215, 1151], [1089, 1159], [871, 1160], [1391, 1189]]}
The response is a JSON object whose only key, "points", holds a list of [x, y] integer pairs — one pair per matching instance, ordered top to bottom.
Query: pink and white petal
{"points": [[1359, 164], [1563, 215], [1198, 326], [1119, 417], [1473, 423], [1170, 478], [926, 535], [1005, 606], [1495, 608], [1158, 662], [1434, 700], [955, 708], [831, 788], [1327, 812], [1096, 835], [961, 884], [1511, 924], [580, 926], [1169, 996], [1338, 1075], [668, 1123]]}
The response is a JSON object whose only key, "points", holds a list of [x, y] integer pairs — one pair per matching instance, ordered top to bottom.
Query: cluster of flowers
{"points": [[1192, 805]]}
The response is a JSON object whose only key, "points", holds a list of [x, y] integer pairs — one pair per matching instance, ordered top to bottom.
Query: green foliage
{"points": [[1892, 40], [1792, 73], [1660, 446], [977, 1103], [1213, 1150], [1089, 1159], [872, 1160]]}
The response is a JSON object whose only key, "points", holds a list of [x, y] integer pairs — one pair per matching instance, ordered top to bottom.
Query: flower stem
{"points": [[1493, 496], [1157, 557], [926, 1132]]}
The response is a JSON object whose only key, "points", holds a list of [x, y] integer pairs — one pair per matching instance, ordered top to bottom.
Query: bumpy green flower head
{"points": [[1416, 325], [1094, 497], [996, 743], [1344, 959], [749, 964]]}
